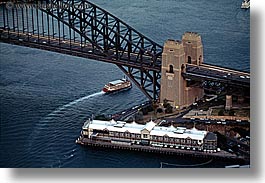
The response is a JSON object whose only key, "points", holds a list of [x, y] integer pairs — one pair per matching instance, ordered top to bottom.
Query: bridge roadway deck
{"points": [[77, 48], [224, 69], [214, 73]]}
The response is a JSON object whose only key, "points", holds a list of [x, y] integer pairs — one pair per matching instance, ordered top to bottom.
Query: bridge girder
{"points": [[83, 29], [107, 37]]}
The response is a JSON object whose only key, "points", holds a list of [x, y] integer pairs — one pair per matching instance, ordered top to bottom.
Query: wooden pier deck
{"points": [[222, 155]]}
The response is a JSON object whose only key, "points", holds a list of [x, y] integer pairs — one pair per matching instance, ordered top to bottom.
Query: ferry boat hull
{"points": [[118, 85], [112, 91]]}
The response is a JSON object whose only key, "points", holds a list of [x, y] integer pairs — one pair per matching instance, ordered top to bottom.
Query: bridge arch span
{"points": [[90, 32]]}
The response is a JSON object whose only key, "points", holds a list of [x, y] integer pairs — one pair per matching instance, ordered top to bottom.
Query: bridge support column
{"points": [[176, 54], [172, 83], [228, 102]]}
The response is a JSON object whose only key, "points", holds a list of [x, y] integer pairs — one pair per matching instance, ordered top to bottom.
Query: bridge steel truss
{"points": [[80, 28]]}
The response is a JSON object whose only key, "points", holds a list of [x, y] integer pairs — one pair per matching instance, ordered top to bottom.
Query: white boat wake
{"points": [[75, 102], [42, 124]]}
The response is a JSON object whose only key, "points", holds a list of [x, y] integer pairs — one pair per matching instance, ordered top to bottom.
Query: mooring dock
{"points": [[222, 155]]}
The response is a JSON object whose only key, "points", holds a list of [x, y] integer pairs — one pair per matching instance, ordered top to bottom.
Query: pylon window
{"points": [[171, 69]]}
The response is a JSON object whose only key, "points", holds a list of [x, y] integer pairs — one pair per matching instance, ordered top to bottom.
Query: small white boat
{"points": [[245, 4]]}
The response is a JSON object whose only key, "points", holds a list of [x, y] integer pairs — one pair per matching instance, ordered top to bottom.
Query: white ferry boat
{"points": [[245, 4], [117, 85]]}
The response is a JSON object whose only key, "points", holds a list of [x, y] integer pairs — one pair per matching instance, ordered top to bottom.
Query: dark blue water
{"points": [[45, 97]]}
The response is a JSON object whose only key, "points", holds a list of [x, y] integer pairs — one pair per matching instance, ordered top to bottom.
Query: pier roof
{"points": [[114, 126], [119, 126], [149, 126], [178, 133], [211, 136]]}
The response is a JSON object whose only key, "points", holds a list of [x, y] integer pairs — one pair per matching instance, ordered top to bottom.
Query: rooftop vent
{"points": [[119, 125]]}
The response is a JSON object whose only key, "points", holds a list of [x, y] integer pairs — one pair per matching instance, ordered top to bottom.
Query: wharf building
{"points": [[176, 54], [122, 133]]}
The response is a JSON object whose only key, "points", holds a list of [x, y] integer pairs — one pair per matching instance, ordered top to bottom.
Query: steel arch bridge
{"points": [[81, 28]]}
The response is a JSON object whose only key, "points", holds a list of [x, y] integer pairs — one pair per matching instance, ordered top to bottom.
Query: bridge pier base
{"points": [[228, 102]]}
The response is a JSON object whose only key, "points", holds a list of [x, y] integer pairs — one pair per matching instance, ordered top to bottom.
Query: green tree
{"points": [[165, 103], [169, 109], [221, 112], [231, 113]]}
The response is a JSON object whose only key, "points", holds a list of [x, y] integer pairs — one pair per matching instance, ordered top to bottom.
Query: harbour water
{"points": [[45, 96]]}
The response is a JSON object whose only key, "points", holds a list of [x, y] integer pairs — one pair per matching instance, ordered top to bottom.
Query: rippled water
{"points": [[45, 96]]}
